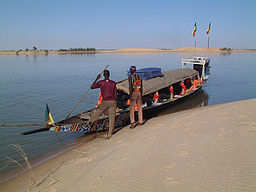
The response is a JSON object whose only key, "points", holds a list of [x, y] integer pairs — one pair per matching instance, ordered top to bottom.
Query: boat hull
{"points": [[122, 119], [101, 124]]}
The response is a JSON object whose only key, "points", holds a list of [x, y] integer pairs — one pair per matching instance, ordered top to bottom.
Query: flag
{"points": [[194, 30], [208, 30], [48, 116]]}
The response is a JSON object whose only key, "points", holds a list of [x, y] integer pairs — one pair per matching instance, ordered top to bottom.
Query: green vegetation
{"points": [[78, 49], [165, 49], [225, 49]]}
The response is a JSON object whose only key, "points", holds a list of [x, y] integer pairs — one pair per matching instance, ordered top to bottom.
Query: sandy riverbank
{"points": [[126, 50], [204, 149]]}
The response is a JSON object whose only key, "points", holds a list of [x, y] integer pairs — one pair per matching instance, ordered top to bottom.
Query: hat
{"points": [[133, 68]]}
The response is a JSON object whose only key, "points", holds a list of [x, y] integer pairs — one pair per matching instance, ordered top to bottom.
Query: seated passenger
{"points": [[196, 82], [188, 83]]}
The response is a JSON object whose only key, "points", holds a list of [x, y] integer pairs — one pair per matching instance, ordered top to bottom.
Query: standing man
{"points": [[135, 90], [109, 100]]}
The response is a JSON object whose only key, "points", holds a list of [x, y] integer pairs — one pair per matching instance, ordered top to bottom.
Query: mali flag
{"points": [[194, 30], [208, 30], [48, 116]]}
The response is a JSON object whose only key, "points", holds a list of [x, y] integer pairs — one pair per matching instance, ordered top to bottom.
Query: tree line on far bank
{"points": [[70, 49], [77, 49], [225, 49], [36, 50]]}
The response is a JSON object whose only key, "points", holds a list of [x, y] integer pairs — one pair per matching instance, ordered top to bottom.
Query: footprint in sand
{"points": [[242, 116], [223, 118], [243, 124], [159, 125], [251, 127], [187, 129], [193, 135], [183, 144], [183, 154], [124, 158], [83, 160], [169, 166], [171, 180]]}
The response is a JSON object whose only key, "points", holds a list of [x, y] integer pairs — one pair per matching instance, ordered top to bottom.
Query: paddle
{"points": [[83, 95]]}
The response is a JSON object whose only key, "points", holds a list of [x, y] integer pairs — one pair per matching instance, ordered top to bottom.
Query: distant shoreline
{"points": [[126, 50]]}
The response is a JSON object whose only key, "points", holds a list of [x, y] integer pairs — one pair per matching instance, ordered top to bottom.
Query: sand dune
{"points": [[198, 49], [143, 50], [203, 149]]}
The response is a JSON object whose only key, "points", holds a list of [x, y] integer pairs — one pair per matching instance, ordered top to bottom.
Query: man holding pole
{"points": [[109, 100]]}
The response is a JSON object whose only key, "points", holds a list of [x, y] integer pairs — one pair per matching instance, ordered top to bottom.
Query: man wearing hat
{"points": [[135, 90]]}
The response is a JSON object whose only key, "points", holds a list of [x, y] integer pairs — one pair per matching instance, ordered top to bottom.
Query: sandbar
{"points": [[124, 51], [212, 148]]}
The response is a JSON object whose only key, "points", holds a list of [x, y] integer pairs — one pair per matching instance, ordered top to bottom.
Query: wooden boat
{"points": [[157, 92]]}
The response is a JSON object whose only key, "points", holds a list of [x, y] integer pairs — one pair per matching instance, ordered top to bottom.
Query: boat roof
{"points": [[196, 60], [152, 85]]}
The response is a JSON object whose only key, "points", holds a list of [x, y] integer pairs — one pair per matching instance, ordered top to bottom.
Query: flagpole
{"points": [[208, 33], [194, 34], [208, 44], [195, 46]]}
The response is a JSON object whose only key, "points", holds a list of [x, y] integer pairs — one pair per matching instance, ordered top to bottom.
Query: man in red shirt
{"points": [[109, 100]]}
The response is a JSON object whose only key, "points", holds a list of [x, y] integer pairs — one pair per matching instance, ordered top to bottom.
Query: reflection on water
{"points": [[225, 53], [199, 99]]}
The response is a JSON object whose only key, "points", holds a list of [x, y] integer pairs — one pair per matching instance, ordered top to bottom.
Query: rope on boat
{"points": [[83, 96], [21, 125]]}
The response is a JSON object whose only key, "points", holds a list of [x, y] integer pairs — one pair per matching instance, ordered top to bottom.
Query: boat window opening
{"points": [[199, 69], [207, 71], [188, 83], [177, 88], [164, 94], [148, 99]]}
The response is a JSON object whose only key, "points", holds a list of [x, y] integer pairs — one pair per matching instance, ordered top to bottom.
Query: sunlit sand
{"points": [[203, 149]]}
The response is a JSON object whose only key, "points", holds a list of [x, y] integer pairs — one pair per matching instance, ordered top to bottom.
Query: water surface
{"points": [[27, 83]]}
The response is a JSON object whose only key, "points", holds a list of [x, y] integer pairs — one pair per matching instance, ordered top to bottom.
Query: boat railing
{"points": [[196, 60], [203, 61]]}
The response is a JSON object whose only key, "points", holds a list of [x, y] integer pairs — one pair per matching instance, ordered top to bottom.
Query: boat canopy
{"points": [[200, 64], [157, 83]]}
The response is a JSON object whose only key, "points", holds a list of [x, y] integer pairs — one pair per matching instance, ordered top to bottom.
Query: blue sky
{"points": [[54, 24]]}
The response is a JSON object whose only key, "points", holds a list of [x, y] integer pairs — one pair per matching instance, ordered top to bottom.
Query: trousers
{"points": [[136, 99], [111, 106]]}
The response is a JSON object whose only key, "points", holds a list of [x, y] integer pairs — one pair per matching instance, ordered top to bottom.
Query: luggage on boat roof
{"points": [[148, 73], [157, 83]]}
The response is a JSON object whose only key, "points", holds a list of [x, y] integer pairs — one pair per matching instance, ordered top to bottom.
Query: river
{"points": [[27, 83]]}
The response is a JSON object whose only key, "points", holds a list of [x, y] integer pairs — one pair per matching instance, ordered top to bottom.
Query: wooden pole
{"points": [[208, 44], [195, 46], [83, 96], [21, 125], [36, 131]]}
